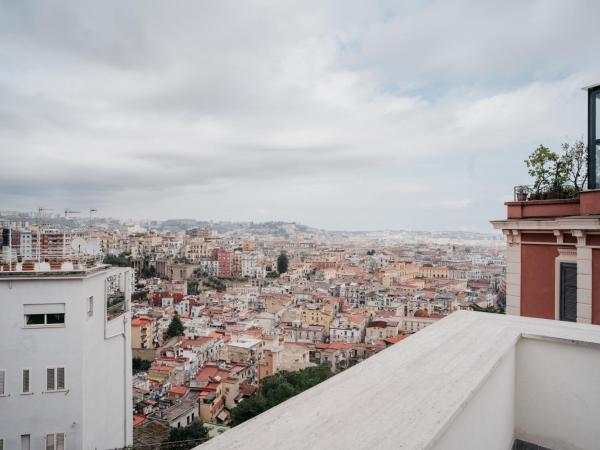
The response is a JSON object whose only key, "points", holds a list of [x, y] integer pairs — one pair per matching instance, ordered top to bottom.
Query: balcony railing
{"points": [[524, 193]]}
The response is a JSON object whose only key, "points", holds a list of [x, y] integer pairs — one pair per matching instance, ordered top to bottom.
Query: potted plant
{"points": [[558, 176], [522, 193], [55, 264], [28, 265], [5, 266]]}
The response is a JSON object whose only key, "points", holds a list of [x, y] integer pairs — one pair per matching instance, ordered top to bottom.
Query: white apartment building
{"points": [[28, 245], [65, 358]]}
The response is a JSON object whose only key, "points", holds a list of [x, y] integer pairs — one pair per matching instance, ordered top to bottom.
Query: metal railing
{"points": [[522, 193]]}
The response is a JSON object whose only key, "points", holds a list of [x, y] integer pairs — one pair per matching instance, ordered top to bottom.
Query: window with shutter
{"points": [[568, 292], [60, 378], [2, 379], [50, 380], [25, 381], [55, 441], [60, 441], [25, 442], [50, 442]]}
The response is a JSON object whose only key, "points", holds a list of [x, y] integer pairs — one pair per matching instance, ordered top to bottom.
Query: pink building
{"points": [[225, 263]]}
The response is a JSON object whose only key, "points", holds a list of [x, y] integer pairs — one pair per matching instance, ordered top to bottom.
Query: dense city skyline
{"points": [[346, 116]]}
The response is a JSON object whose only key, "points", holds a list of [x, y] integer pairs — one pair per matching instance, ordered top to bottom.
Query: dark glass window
{"points": [[597, 111], [34, 319], [45, 319], [52, 319]]}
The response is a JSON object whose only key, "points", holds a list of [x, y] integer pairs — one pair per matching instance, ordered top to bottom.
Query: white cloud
{"points": [[337, 114]]}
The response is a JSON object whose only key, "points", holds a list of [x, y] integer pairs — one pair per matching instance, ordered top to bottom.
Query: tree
{"points": [[575, 157], [549, 171], [120, 261], [282, 262], [148, 272], [272, 274], [192, 287], [140, 295], [487, 309], [175, 327], [139, 364], [276, 389], [187, 437]]}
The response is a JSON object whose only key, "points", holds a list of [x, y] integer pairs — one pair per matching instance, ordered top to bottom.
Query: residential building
{"points": [[553, 254], [66, 381]]}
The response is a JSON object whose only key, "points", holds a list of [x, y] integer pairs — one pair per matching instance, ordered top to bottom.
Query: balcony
{"points": [[526, 206], [470, 381]]}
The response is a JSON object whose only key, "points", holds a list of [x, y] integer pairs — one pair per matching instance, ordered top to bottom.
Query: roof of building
{"points": [[137, 420]]}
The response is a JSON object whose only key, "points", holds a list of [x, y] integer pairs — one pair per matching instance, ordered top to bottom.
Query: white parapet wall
{"points": [[471, 381]]}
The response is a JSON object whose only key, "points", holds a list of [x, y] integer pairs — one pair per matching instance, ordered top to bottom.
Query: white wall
{"points": [[38, 348], [107, 380], [558, 394], [93, 413], [487, 420]]}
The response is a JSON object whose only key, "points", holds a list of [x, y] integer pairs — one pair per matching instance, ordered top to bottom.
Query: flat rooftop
{"points": [[43, 270], [470, 381]]}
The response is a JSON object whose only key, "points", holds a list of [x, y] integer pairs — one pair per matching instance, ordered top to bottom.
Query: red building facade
{"points": [[553, 246]]}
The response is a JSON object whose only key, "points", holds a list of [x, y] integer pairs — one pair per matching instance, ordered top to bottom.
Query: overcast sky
{"points": [[336, 114]]}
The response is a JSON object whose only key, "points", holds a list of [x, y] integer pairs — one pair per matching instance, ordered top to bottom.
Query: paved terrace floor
{"points": [[417, 393]]}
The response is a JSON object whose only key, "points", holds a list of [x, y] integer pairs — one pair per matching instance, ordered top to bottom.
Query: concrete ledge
{"points": [[408, 396]]}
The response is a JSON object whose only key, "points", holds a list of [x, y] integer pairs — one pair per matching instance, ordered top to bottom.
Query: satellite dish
{"points": [[88, 247]]}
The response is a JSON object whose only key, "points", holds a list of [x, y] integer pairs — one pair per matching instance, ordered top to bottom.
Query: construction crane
{"points": [[40, 210], [70, 211]]}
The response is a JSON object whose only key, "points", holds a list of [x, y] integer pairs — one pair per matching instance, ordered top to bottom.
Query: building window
{"points": [[594, 137], [568, 292], [116, 295], [90, 305], [44, 315], [44, 319], [25, 377], [55, 379], [55, 441], [25, 442], [1, 444]]}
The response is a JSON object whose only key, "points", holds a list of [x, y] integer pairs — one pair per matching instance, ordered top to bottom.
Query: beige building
{"points": [[145, 333]]}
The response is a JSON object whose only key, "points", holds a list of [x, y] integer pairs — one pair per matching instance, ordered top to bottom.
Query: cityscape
{"points": [[299, 225], [217, 307]]}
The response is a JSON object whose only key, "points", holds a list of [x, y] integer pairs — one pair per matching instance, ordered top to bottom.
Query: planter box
{"points": [[588, 203], [55, 266], [28, 268]]}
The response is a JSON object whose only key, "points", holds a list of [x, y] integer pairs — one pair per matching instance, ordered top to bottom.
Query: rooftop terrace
{"points": [[46, 269], [471, 381]]}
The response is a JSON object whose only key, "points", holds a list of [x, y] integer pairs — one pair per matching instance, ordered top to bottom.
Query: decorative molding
{"points": [[559, 236], [567, 252]]}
